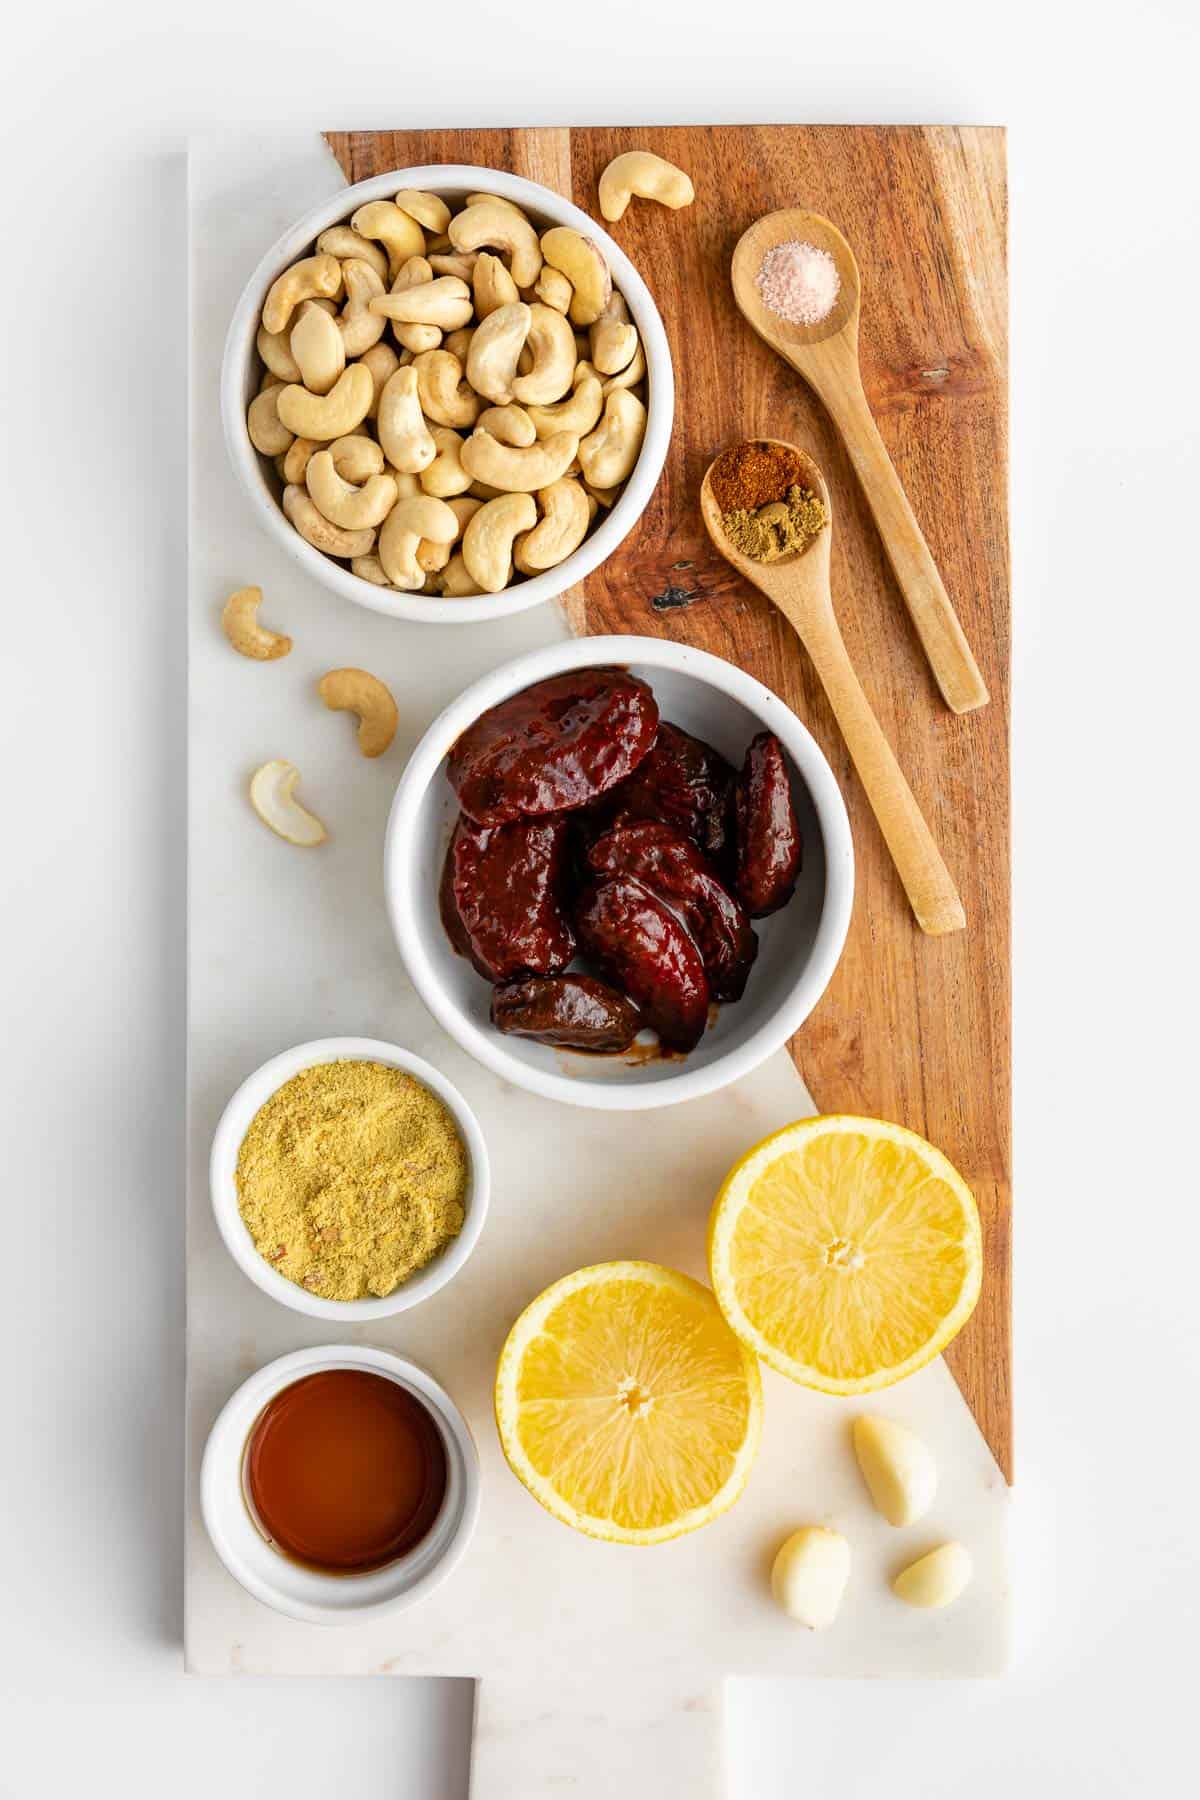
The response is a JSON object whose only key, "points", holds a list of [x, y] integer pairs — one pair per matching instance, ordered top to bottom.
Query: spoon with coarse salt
{"points": [[789, 254], [799, 586]]}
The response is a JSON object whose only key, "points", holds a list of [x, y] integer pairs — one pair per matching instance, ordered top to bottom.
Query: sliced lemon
{"points": [[846, 1252], [626, 1405]]}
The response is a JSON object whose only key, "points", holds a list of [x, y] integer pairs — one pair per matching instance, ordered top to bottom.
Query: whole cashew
{"points": [[641, 172], [496, 200], [429, 210], [504, 228], [397, 231], [347, 244], [453, 262], [581, 262], [305, 280], [492, 284], [553, 289], [444, 302], [360, 328], [415, 338], [612, 339], [459, 342], [551, 343], [318, 348], [495, 349], [276, 353], [380, 361], [630, 375], [445, 397], [578, 413], [331, 415], [401, 425], [511, 425], [268, 433], [609, 453], [355, 458], [295, 463], [515, 470], [445, 475], [341, 502], [464, 507], [406, 525], [313, 526], [561, 529], [488, 540], [432, 557], [369, 568], [457, 582], [239, 620], [356, 691], [273, 797]]}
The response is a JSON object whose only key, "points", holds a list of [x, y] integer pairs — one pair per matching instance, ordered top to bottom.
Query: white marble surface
{"points": [[287, 945]]}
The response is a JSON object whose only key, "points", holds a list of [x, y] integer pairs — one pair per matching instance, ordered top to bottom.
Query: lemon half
{"points": [[846, 1252], [626, 1405]]}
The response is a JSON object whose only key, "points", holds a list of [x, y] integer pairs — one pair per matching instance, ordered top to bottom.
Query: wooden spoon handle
{"points": [[941, 635], [927, 881]]}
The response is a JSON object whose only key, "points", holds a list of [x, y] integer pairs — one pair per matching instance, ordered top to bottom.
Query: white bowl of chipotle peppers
{"points": [[619, 872]]}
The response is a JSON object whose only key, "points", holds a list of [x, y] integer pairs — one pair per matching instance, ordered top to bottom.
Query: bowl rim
{"points": [[596, 548], [488, 1047], [254, 1092], [385, 1589]]}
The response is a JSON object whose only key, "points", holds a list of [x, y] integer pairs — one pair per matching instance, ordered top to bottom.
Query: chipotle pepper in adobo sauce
{"points": [[768, 848], [502, 897], [345, 1471]]}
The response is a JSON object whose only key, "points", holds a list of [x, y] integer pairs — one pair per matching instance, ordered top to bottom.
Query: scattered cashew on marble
{"points": [[447, 394]]}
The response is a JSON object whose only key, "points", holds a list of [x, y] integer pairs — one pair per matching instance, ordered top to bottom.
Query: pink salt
{"points": [[799, 282]]}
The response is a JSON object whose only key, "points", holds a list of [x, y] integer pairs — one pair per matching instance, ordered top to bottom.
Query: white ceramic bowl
{"points": [[240, 375], [798, 946], [254, 1092], [303, 1593]]}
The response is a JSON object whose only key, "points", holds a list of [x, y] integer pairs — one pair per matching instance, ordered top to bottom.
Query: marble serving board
{"points": [[286, 945]]}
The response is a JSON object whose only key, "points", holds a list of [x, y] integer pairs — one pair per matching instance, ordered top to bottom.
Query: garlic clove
{"points": [[272, 795], [898, 1468], [809, 1575], [937, 1579]]}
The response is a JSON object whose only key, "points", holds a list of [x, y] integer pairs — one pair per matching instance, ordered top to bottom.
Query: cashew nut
{"points": [[641, 172], [496, 200], [429, 210], [504, 228], [396, 230], [345, 243], [453, 262], [581, 262], [314, 275], [492, 284], [553, 289], [444, 302], [360, 328], [415, 338], [612, 339], [459, 342], [551, 343], [318, 348], [495, 349], [276, 353], [381, 362], [630, 375], [445, 397], [579, 413], [330, 415], [401, 425], [511, 425], [268, 433], [607, 455], [355, 458], [295, 463], [516, 469], [445, 475], [341, 502], [464, 507], [411, 520], [561, 529], [317, 530], [488, 540], [432, 557], [369, 568], [457, 582], [239, 620], [356, 691], [272, 795]]}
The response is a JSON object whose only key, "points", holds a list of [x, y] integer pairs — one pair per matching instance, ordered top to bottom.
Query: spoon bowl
{"points": [[794, 225]]}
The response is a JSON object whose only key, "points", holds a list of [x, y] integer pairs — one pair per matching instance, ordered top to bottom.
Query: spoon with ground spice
{"points": [[796, 281], [766, 508]]}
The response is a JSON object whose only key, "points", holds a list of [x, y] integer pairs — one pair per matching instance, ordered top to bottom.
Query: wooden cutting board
{"points": [[912, 1028]]}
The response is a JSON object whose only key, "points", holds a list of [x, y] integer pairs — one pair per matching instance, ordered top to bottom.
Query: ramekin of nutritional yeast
{"points": [[447, 393]]}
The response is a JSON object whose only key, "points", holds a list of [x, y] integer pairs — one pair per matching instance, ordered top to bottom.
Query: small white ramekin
{"points": [[239, 383], [799, 946], [254, 1092], [303, 1593]]}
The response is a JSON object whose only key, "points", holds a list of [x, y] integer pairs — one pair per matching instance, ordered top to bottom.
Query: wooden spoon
{"points": [[827, 357], [799, 587]]}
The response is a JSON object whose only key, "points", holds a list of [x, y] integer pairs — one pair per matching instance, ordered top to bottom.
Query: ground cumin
{"points": [[766, 511], [351, 1178]]}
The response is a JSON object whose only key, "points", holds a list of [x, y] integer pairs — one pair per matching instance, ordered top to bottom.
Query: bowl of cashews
{"points": [[447, 393]]}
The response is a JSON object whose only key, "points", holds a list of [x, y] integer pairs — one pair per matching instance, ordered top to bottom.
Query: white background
{"points": [[95, 106]]}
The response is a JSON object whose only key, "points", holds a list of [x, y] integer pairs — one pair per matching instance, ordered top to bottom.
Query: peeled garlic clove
{"points": [[272, 795], [897, 1467], [809, 1575], [937, 1579]]}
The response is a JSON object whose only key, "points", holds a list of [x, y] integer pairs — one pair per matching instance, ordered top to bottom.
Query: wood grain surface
{"points": [[913, 1028]]}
